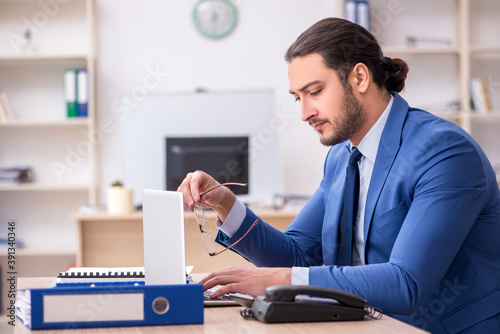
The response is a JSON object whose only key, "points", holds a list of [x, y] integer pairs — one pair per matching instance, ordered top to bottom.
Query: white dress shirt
{"points": [[368, 147]]}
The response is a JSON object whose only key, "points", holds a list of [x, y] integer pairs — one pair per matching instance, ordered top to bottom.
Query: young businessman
{"points": [[426, 230]]}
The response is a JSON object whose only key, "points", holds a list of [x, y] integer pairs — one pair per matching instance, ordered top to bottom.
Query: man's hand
{"points": [[195, 184], [250, 281]]}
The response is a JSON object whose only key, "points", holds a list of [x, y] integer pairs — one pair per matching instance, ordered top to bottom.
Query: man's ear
{"points": [[360, 77]]}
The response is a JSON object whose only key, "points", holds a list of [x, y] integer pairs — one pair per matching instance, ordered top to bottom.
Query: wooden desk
{"points": [[116, 240], [228, 320]]}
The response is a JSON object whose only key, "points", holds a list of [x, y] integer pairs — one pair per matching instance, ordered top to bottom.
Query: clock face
{"points": [[214, 18]]}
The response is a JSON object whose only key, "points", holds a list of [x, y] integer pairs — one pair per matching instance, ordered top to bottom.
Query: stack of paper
{"points": [[480, 95], [23, 306]]}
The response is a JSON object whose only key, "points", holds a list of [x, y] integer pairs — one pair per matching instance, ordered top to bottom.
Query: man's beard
{"points": [[350, 121]]}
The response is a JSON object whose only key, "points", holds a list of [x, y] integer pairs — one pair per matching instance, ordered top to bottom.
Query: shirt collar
{"points": [[368, 146]]}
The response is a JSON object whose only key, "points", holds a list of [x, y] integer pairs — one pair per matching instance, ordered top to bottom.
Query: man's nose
{"points": [[307, 111]]}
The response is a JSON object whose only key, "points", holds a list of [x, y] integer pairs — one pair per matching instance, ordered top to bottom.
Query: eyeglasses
{"points": [[199, 213]]}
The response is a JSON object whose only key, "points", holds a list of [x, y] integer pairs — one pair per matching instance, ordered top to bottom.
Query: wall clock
{"points": [[215, 18]]}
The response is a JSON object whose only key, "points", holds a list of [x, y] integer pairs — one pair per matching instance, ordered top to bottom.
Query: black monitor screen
{"points": [[224, 158]]}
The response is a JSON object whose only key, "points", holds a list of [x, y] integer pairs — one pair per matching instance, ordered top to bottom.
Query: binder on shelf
{"points": [[350, 10], [358, 11], [70, 92], [82, 92], [6, 243], [86, 307]]}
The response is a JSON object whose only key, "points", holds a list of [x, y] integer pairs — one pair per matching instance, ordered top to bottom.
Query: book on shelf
{"points": [[480, 96], [5, 108], [4, 118], [16, 174]]}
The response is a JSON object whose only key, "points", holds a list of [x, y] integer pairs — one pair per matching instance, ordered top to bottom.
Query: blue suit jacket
{"points": [[432, 228]]}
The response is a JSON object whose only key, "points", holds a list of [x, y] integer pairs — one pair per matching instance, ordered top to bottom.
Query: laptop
{"points": [[163, 231], [164, 247]]}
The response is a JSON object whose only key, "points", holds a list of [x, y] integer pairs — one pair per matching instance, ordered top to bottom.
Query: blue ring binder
{"points": [[81, 307]]}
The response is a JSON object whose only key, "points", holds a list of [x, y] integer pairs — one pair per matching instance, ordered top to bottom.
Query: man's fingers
{"points": [[195, 188], [186, 191], [226, 272], [220, 280], [228, 281], [250, 281], [225, 289]]}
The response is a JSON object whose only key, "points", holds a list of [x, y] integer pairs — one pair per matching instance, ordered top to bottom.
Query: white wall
{"points": [[136, 38]]}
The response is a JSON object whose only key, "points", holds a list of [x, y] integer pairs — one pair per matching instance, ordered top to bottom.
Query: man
{"points": [[427, 222]]}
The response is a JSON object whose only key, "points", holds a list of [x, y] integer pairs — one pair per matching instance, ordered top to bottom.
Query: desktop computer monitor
{"points": [[224, 158]]}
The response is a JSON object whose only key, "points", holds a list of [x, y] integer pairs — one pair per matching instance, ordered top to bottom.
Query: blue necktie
{"points": [[350, 209]]}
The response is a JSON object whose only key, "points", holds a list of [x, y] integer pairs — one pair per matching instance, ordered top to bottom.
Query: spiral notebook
{"points": [[98, 275]]}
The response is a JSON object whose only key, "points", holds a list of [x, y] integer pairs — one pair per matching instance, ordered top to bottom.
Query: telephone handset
{"points": [[289, 292], [299, 303]]}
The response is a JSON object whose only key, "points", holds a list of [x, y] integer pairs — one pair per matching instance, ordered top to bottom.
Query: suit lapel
{"points": [[387, 152]]}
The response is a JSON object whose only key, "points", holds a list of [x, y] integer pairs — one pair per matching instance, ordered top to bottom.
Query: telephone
{"points": [[301, 303]]}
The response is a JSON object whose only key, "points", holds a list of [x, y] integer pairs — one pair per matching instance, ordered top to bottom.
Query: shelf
{"points": [[485, 49], [418, 50], [42, 58], [449, 115], [492, 116], [43, 123], [42, 187], [102, 215], [27, 251]]}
